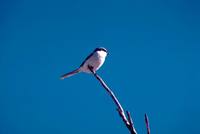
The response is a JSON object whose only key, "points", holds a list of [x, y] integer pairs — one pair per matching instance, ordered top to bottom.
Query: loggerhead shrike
{"points": [[94, 61]]}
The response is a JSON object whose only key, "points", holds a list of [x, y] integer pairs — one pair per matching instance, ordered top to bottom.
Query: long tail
{"points": [[70, 74]]}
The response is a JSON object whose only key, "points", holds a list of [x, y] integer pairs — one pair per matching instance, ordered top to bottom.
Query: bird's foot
{"points": [[91, 69]]}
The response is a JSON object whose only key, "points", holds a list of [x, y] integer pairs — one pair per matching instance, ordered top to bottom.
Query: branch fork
{"points": [[126, 118]]}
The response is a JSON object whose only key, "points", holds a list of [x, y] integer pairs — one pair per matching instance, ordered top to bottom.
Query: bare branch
{"points": [[128, 122], [147, 123], [132, 128]]}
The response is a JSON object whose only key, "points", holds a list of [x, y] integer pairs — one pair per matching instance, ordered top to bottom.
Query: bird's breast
{"points": [[96, 61]]}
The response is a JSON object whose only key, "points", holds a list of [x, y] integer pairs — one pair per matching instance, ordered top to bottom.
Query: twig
{"points": [[128, 122], [147, 123], [132, 128]]}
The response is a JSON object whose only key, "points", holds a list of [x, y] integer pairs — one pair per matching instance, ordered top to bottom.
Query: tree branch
{"points": [[128, 122], [147, 123]]}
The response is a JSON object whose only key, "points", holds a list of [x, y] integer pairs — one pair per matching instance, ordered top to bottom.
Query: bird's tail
{"points": [[70, 74]]}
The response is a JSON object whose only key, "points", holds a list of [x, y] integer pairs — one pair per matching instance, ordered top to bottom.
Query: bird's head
{"points": [[101, 49]]}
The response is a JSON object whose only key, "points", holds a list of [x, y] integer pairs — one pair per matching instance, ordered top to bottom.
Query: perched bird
{"points": [[94, 61]]}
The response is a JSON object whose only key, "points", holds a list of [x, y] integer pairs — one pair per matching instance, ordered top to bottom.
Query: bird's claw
{"points": [[91, 69]]}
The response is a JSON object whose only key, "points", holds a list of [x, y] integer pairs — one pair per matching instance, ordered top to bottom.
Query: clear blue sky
{"points": [[153, 66]]}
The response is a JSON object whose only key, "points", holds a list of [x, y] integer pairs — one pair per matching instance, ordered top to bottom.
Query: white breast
{"points": [[96, 61]]}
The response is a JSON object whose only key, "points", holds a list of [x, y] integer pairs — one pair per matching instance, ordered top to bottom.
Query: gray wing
{"points": [[86, 59]]}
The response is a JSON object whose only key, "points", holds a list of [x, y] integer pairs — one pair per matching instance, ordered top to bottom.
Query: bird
{"points": [[91, 64]]}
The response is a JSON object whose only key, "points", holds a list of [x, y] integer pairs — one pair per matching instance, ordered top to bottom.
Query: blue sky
{"points": [[153, 66]]}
